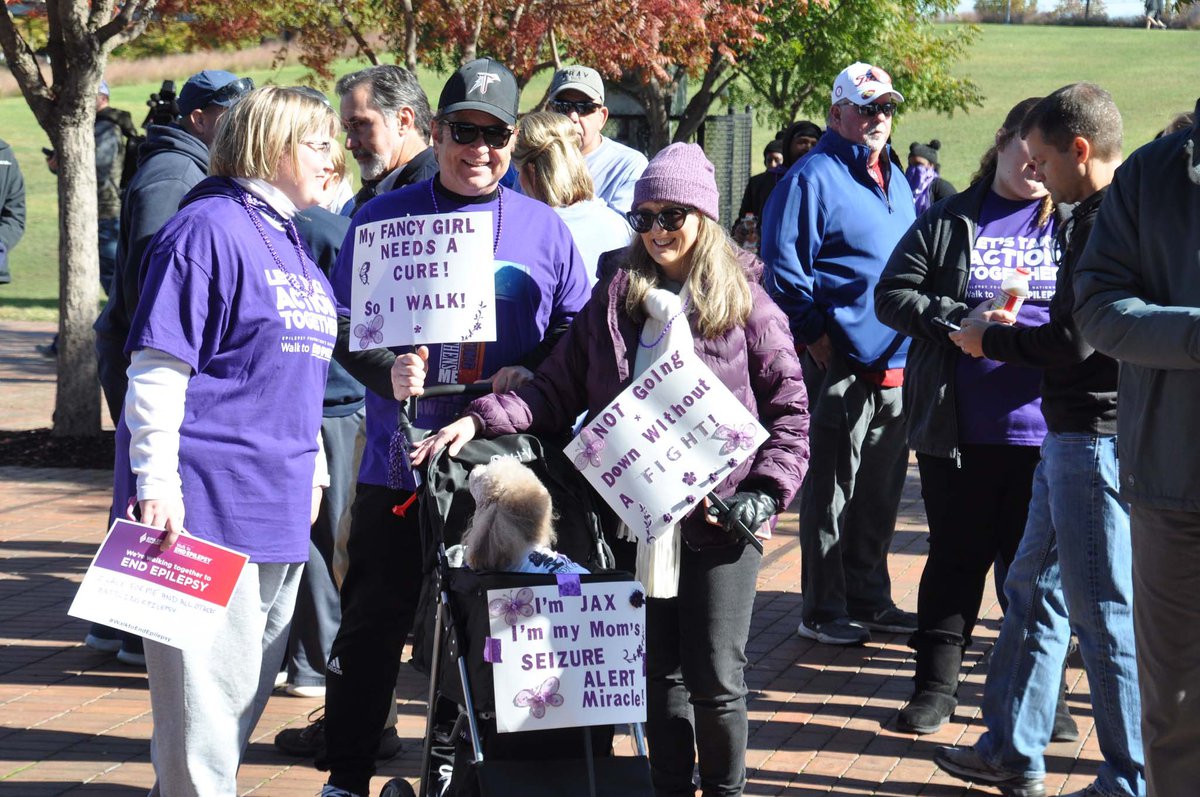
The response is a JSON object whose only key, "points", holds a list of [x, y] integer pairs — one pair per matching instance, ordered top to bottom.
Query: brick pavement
{"points": [[76, 722]]}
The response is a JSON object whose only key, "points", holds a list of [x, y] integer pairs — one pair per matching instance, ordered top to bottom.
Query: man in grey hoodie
{"points": [[1137, 291]]}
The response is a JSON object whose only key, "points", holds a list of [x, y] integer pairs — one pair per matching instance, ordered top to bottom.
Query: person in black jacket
{"points": [[924, 176], [12, 207], [1073, 570]]}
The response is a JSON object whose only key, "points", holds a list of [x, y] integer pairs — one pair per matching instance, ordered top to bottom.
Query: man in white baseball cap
{"points": [[578, 93], [828, 228]]}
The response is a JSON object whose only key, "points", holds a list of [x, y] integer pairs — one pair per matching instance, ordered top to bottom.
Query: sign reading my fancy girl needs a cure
{"points": [[418, 279], [665, 442]]}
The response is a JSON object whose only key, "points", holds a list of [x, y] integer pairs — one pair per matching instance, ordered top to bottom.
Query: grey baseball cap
{"points": [[580, 78]]}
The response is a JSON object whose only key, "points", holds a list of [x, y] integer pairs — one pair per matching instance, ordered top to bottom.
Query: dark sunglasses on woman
{"points": [[232, 90], [495, 136], [670, 219]]}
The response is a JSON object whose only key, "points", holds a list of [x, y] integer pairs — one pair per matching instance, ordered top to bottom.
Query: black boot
{"points": [[939, 659], [1065, 729]]}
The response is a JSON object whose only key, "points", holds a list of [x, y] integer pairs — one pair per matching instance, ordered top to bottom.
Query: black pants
{"points": [[975, 513], [379, 600], [695, 662]]}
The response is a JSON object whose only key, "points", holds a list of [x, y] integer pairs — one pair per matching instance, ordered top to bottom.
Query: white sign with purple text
{"points": [[423, 279], [662, 445], [568, 655]]}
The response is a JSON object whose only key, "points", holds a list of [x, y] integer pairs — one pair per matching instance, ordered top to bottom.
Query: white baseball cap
{"points": [[862, 84]]}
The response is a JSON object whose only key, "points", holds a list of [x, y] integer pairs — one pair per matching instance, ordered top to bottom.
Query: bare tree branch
{"points": [[23, 64]]}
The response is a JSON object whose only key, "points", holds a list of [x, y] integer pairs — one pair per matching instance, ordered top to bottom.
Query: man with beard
{"points": [[386, 117], [828, 229]]}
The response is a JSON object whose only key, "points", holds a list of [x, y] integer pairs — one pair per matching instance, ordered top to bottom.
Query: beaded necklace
{"points": [[499, 212], [305, 287], [666, 328]]}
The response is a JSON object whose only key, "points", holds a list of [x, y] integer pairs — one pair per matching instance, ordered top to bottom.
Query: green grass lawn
{"points": [[1151, 74]]}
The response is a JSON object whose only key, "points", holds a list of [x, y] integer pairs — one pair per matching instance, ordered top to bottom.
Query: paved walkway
{"points": [[73, 721]]}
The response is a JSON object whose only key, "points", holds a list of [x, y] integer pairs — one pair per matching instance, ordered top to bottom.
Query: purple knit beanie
{"points": [[680, 173]]}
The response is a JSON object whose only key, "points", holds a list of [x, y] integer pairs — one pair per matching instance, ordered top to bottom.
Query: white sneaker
{"points": [[304, 691]]}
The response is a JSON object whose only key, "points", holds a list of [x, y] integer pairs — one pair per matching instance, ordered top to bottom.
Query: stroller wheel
{"points": [[398, 787]]}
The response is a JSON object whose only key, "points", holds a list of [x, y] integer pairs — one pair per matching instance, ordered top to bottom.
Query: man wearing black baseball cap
{"points": [[540, 285]]}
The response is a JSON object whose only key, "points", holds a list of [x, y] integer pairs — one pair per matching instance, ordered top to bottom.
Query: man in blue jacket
{"points": [[828, 228]]}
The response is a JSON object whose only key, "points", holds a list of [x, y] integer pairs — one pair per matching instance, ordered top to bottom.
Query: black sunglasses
{"points": [[231, 91], [582, 107], [867, 111], [495, 136], [670, 219]]}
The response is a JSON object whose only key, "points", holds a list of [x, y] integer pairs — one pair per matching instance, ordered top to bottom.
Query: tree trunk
{"points": [[77, 405]]}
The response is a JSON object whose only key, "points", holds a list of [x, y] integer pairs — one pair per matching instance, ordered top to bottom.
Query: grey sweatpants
{"points": [[1166, 626], [206, 702]]}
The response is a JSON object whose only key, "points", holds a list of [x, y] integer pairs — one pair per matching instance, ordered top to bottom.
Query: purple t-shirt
{"points": [[540, 281], [259, 348], [1000, 403]]}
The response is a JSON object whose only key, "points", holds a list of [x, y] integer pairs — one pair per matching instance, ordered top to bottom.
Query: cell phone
{"points": [[949, 326]]}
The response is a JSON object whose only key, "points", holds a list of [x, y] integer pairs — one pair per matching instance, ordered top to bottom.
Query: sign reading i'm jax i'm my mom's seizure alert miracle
{"points": [[423, 279], [665, 442], [175, 597], [568, 655]]}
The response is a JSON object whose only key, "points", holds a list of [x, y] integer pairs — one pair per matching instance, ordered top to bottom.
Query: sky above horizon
{"points": [[1116, 10]]}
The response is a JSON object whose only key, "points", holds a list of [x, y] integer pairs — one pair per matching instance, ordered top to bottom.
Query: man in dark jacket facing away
{"points": [[12, 207], [828, 228], [1137, 300], [1072, 571]]}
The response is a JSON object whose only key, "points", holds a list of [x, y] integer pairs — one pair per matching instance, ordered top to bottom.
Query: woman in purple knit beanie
{"points": [[680, 282]]}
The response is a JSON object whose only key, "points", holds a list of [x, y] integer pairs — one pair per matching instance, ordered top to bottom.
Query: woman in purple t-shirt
{"points": [[230, 346], [976, 424]]}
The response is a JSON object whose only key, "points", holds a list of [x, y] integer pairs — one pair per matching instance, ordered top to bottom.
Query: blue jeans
{"points": [[1073, 572]]}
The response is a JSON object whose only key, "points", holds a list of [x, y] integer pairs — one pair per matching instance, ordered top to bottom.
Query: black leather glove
{"points": [[752, 508]]}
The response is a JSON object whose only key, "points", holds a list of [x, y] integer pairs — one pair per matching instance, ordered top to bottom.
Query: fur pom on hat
{"points": [[927, 151], [513, 513]]}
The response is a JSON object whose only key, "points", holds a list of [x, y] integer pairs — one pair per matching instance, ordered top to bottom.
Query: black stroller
{"points": [[461, 738]]}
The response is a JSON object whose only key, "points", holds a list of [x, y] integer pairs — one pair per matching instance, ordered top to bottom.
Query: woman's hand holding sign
{"points": [[408, 373], [161, 513]]}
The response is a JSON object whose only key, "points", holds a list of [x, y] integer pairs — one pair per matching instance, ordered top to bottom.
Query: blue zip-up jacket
{"points": [[827, 232]]}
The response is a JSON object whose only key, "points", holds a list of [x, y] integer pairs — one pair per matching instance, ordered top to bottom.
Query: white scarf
{"points": [[271, 195], [666, 329]]}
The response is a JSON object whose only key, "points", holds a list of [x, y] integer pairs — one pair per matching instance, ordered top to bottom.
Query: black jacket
{"points": [[170, 163], [323, 233], [1079, 384]]}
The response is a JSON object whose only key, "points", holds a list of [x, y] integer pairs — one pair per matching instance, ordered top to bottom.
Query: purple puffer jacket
{"points": [[594, 361]]}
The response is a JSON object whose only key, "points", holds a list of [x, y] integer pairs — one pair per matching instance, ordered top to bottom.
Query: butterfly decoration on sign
{"points": [[364, 273], [369, 333], [735, 438], [590, 446], [513, 606], [537, 699]]}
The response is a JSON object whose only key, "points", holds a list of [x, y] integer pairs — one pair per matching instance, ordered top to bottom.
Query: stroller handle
{"points": [[408, 407]]}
